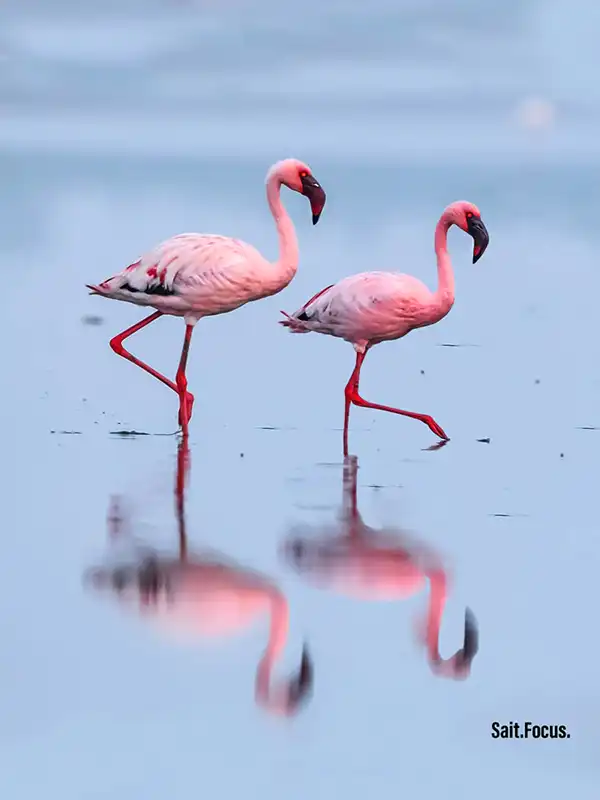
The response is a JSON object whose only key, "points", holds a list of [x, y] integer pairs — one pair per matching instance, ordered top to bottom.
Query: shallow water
{"points": [[112, 143]]}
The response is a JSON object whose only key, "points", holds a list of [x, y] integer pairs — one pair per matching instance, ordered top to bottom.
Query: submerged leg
{"points": [[352, 396], [186, 400]]}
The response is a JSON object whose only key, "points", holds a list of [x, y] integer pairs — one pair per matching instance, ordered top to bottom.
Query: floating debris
{"points": [[92, 319], [587, 428], [68, 433], [129, 433], [133, 434], [487, 440], [508, 515]]}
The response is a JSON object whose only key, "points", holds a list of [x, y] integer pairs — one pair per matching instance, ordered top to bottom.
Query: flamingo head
{"points": [[298, 177], [468, 218], [458, 666], [287, 699]]}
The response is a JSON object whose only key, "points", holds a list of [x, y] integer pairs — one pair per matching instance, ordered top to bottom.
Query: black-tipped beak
{"points": [[312, 189], [481, 237], [471, 643], [301, 686]]}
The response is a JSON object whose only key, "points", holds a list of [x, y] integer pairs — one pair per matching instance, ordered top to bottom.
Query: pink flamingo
{"points": [[195, 275], [374, 307], [370, 564], [206, 596]]}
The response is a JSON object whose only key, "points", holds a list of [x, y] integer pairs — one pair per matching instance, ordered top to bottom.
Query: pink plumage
{"points": [[195, 275], [374, 307], [352, 559]]}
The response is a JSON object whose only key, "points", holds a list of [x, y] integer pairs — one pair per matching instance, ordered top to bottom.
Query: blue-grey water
{"points": [[122, 123]]}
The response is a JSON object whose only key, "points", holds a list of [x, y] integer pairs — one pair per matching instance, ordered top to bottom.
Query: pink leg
{"points": [[116, 344], [352, 396], [186, 400]]}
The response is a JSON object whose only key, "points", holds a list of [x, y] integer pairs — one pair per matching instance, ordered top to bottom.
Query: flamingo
{"points": [[194, 275], [374, 307], [372, 565], [205, 596]]}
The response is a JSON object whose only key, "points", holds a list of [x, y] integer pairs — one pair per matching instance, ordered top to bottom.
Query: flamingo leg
{"points": [[116, 344], [352, 397], [186, 400]]}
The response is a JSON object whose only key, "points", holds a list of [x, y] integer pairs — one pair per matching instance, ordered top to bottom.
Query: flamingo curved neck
{"points": [[287, 263], [444, 294], [275, 699]]}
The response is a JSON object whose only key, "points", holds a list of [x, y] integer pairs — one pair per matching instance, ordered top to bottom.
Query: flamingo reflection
{"points": [[355, 560], [204, 595]]}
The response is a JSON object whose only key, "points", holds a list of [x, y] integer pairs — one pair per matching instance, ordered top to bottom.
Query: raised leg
{"points": [[116, 344], [352, 396], [186, 400]]}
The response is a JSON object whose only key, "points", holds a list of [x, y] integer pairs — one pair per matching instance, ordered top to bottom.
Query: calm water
{"points": [[127, 124]]}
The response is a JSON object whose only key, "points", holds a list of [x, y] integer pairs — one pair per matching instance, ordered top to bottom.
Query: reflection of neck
{"points": [[287, 264], [444, 295], [437, 602], [278, 633]]}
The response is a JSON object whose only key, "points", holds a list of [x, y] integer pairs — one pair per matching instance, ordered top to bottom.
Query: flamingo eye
{"points": [[304, 174], [469, 214]]}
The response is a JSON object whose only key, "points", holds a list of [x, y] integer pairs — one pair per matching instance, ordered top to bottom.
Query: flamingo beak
{"points": [[312, 189], [481, 237], [300, 688]]}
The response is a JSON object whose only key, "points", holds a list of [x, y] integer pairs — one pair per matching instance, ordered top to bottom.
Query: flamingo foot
{"points": [[434, 427]]}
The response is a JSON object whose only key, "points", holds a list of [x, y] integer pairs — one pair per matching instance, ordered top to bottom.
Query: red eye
{"points": [[304, 174], [469, 214]]}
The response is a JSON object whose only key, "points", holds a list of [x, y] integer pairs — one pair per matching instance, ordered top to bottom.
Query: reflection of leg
{"points": [[183, 465], [350, 500], [114, 518]]}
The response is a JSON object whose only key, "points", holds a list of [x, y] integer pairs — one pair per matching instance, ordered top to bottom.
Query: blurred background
{"points": [[125, 122]]}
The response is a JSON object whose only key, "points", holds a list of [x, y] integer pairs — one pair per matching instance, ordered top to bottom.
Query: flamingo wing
{"points": [[204, 273], [368, 307]]}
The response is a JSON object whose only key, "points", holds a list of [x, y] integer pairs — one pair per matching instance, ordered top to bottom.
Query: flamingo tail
{"points": [[295, 325]]}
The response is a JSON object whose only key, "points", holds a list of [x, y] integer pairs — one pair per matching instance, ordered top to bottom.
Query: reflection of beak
{"points": [[312, 189], [481, 237], [471, 643], [301, 686]]}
